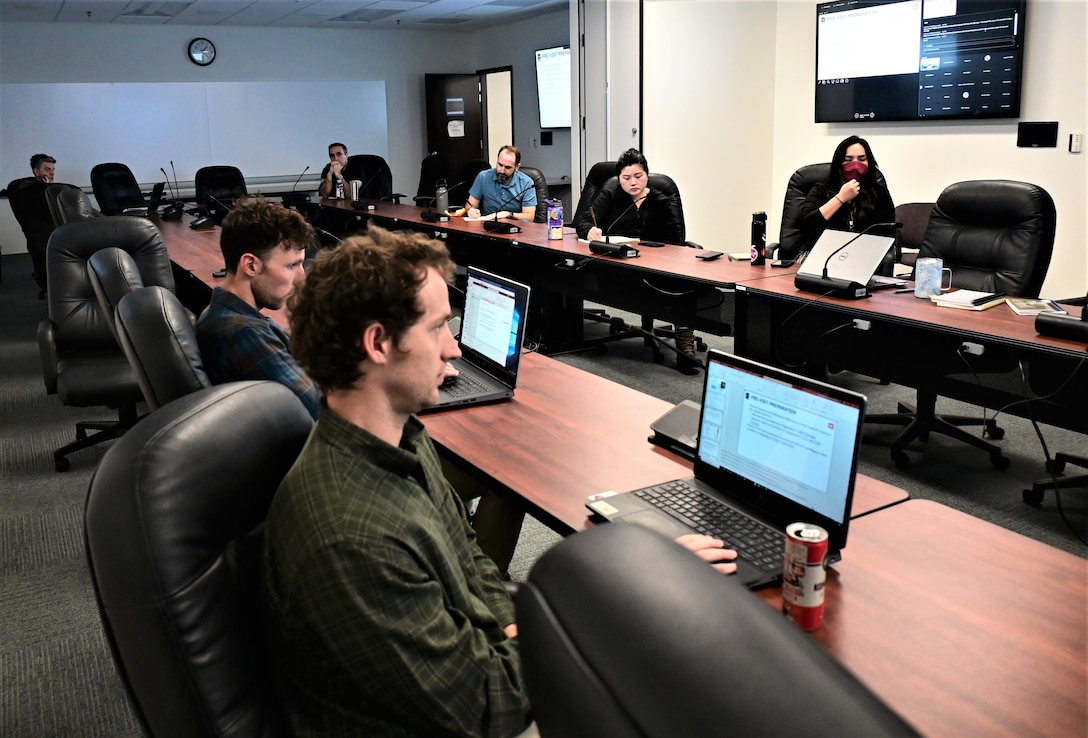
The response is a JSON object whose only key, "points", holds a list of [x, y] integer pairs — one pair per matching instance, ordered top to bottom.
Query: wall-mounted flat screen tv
{"points": [[918, 59], [553, 87]]}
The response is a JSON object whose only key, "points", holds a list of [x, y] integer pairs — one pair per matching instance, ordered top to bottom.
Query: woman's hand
{"points": [[849, 191]]}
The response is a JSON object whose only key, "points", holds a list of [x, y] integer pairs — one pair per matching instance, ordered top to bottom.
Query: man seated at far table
{"points": [[503, 192], [263, 245]]}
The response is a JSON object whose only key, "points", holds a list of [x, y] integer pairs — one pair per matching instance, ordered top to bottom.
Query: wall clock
{"points": [[201, 52]]}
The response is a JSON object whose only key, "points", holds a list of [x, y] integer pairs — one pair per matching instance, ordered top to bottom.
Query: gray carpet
{"points": [[55, 665]]}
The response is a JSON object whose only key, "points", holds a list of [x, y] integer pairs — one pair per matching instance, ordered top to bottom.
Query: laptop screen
{"points": [[493, 326], [791, 442]]}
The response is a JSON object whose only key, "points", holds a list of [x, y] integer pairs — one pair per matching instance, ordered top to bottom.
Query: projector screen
{"points": [[918, 59], [553, 87]]}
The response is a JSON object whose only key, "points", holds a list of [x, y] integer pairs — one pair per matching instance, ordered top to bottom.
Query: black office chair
{"points": [[436, 166], [598, 174], [379, 178], [540, 183], [217, 187], [115, 188], [52, 198], [73, 204], [30, 207], [915, 219], [995, 236], [790, 238], [113, 274], [158, 335], [81, 361], [1034, 496], [173, 527], [624, 633]]}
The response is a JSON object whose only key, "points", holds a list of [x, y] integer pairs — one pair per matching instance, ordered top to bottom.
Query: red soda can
{"points": [[803, 575]]}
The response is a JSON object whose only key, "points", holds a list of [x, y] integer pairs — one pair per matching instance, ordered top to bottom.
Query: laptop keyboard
{"points": [[464, 385], [758, 544]]}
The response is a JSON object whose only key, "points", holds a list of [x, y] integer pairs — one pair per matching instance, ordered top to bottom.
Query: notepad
{"points": [[969, 299], [1030, 306]]}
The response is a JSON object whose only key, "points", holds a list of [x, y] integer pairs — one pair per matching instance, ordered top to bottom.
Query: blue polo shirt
{"points": [[516, 195]]}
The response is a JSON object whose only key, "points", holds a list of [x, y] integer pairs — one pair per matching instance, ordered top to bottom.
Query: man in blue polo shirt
{"points": [[503, 192]]}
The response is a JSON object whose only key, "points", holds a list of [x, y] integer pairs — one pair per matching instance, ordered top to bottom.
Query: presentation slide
{"points": [[870, 42], [553, 87], [489, 322], [800, 442]]}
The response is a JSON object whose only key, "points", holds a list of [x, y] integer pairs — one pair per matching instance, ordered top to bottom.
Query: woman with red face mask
{"points": [[853, 197]]}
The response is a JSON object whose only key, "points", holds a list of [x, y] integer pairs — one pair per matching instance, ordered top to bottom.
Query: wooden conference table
{"points": [[914, 343], [963, 627]]}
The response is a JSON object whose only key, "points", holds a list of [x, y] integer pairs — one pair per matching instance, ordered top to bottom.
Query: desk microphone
{"points": [[295, 198], [359, 204], [174, 210], [431, 215], [494, 226], [322, 232], [606, 246], [833, 286], [1064, 326]]}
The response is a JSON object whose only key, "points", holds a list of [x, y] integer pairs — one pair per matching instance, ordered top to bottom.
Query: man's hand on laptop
{"points": [[711, 550]]}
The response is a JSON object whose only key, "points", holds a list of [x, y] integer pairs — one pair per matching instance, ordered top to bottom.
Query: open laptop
{"points": [[153, 203], [858, 262], [492, 334], [774, 448]]}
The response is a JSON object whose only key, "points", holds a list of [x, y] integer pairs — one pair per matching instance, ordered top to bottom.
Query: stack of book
{"points": [[969, 299]]}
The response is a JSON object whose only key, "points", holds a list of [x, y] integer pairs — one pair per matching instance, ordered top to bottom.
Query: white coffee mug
{"points": [[929, 274]]}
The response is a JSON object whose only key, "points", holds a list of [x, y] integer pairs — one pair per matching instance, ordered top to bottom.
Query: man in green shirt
{"points": [[384, 617]]}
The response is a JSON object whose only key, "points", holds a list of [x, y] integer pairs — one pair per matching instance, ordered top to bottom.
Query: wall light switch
{"points": [[1075, 141]]}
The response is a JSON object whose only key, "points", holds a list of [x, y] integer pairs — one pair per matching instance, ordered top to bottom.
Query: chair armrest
{"points": [[395, 197], [47, 348]]}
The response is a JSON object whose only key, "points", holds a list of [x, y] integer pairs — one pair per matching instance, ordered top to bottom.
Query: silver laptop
{"points": [[857, 262], [492, 335], [774, 448]]}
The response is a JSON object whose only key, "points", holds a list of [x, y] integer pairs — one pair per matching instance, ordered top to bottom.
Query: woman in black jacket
{"points": [[853, 197]]}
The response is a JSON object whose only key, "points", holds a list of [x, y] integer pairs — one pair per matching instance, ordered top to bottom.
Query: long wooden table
{"points": [[914, 343], [568, 434], [963, 627]]}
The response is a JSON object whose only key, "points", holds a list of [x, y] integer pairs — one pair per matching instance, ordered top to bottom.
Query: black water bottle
{"points": [[759, 238]]}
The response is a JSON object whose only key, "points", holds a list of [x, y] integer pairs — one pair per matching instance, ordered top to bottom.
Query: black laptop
{"points": [[153, 203], [492, 334], [774, 448]]}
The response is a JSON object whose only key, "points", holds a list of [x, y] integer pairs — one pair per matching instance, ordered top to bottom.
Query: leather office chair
{"points": [[435, 166], [598, 174], [379, 178], [540, 183], [217, 187], [115, 188], [53, 191], [73, 204], [30, 207], [915, 219], [995, 236], [790, 238], [113, 274], [158, 335], [81, 361], [1034, 496], [174, 551], [624, 633]]}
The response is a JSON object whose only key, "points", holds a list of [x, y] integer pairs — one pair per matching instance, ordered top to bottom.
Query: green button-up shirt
{"points": [[384, 617]]}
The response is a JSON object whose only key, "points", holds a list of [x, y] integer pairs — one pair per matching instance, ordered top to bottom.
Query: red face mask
{"points": [[854, 170]]}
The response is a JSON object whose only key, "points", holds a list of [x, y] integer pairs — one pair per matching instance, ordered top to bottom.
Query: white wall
{"points": [[513, 44], [57, 52], [729, 100]]}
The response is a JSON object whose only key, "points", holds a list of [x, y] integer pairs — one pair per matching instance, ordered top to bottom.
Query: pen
{"points": [[905, 289]]}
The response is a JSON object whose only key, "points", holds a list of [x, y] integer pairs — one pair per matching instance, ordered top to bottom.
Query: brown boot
{"points": [[688, 361]]}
